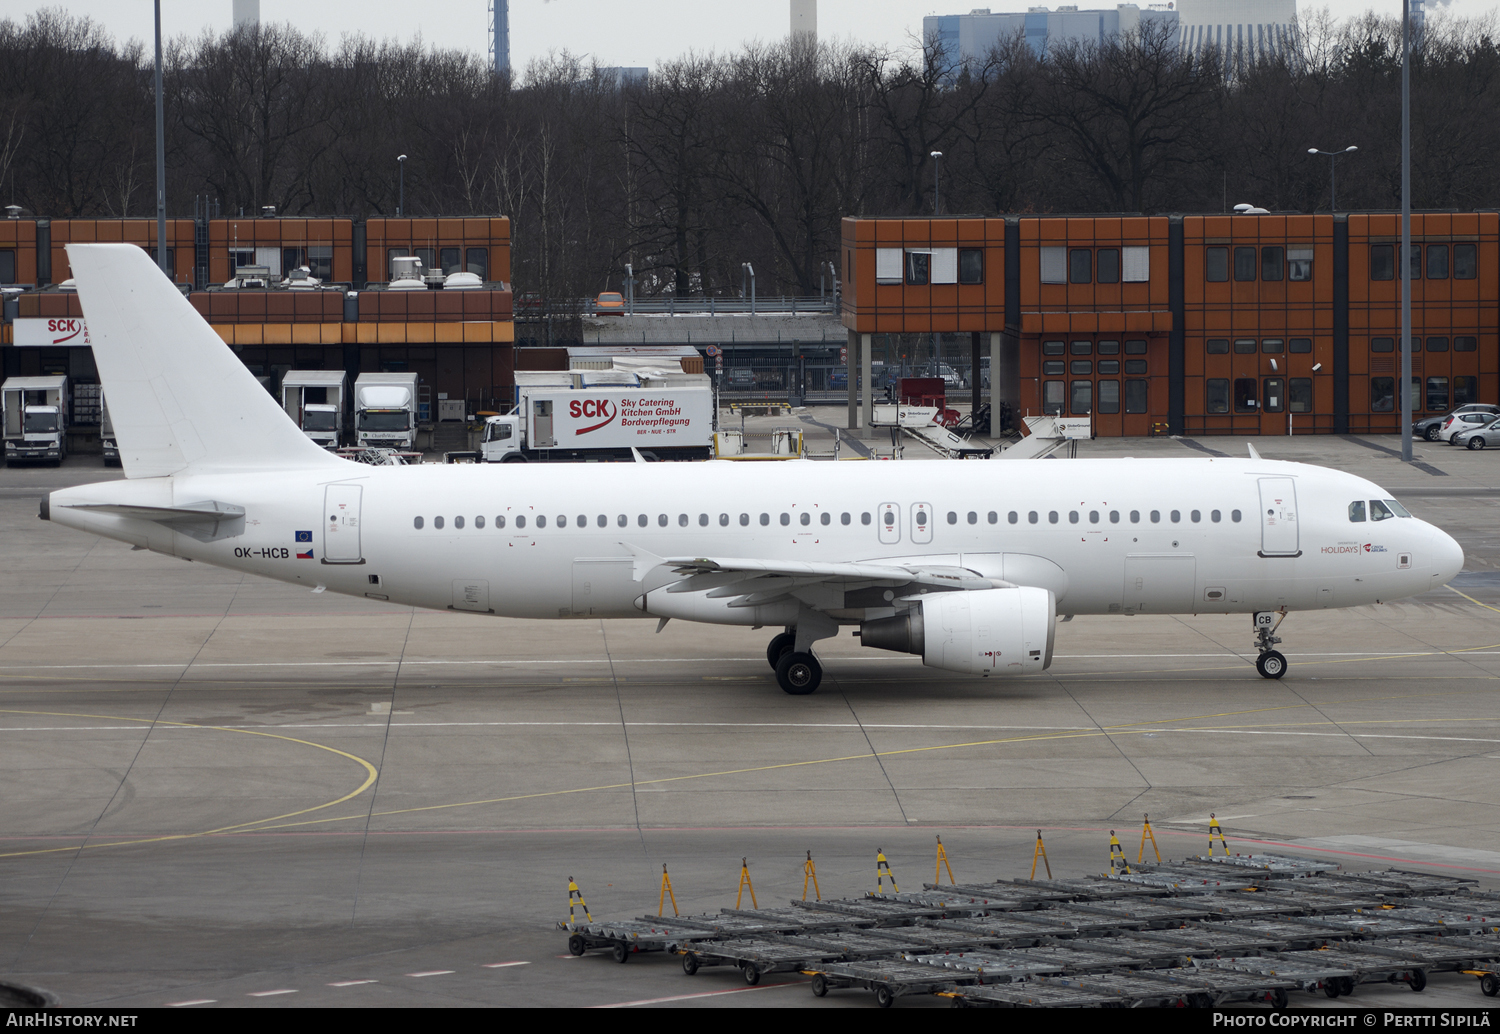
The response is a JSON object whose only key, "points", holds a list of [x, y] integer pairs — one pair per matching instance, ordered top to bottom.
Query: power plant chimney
{"points": [[246, 12], [805, 20], [500, 37]]}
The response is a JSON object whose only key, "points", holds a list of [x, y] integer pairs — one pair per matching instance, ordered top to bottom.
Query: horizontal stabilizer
{"points": [[206, 521]]}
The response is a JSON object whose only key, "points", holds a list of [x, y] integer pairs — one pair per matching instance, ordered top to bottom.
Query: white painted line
{"points": [[503, 965], [432, 973], [352, 983], [267, 994], [700, 994], [194, 1001]]}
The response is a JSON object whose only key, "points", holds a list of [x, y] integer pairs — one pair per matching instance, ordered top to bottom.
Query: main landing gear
{"points": [[1271, 664], [797, 673]]}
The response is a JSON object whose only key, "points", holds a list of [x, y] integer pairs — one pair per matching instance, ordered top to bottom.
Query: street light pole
{"points": [[1333, 157], [161, 159], [937, 186], [401, 197], [1406, 399]]}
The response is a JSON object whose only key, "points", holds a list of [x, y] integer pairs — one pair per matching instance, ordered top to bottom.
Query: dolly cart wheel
{"points": [[576, 945], [620, 952], [689, 963], [752, 975], [1418, 980], [820, 985], [1490, 985], [883, 997]]}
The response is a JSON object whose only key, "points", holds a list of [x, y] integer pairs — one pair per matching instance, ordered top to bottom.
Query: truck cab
{"points": [[36, 419], [320, 422], [107, 439], [502, 441]]}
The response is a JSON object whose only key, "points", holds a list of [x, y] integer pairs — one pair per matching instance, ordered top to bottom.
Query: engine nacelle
{"points": [[987, 631]]}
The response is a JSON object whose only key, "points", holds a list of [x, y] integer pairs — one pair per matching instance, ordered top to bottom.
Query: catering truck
{"points": [[314, 399], [385, 411], [36, 419], [557, 423]]}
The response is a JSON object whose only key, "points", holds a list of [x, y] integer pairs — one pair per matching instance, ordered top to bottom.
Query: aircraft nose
{"points": [[1447, 557]]}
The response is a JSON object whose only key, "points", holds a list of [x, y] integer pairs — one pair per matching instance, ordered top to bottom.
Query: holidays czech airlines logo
{"points": [[590, 409], [1355, 547]]}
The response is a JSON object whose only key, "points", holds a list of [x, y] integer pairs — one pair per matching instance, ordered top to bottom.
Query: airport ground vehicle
{"points": [[315, 400], [385, 411], [36, 419], [588, 423], [968, 573]]}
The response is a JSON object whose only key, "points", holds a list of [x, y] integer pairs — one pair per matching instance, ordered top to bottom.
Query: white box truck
{"points": [[314, 399], [385, 411], [36, 419], [602, 423], [107, 439]]}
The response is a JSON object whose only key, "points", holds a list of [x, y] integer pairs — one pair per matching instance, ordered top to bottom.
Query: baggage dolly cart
{"points": [[626, 938], [753, 958], [1364, 967], [1324, 971], [888, 979], [1030, 994]]}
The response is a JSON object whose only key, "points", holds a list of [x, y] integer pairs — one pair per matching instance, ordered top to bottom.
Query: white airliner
{"points": [[965, 564]]}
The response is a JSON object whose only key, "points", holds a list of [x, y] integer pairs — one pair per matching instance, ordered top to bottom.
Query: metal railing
{"points": [[672, 306]]}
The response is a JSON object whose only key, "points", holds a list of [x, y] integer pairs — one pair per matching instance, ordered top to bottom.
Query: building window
{"points": [[1414, 256], [448, 259], [477, 261], [1272, 262], [1382, 262], [1437, 262], [1465, 262], [1299, 263], [1136, 264], [1244, 264], [888, 265], [1054, 265], [1109, 265], [1216, 265], [7, 266], [971, 266], [1080, 266], [918, 267], [1299, 344], [1382, 344], [1434, 344], [1465, 344], [1272, 345], [1217, 346], [1244, 346], [1053, 347], [1081, 347], [1135, 347], [1108, 348], [1135, 366], [1053, 367], [1081, 367], [1109, 367], [1465, 390], [1299, 394], [1382, 394], [1437, 394], [1216, 395], [1244, 395], [1275, 395], [1109, 396], [1135, 396], [1052, 397], [1081, 399]]}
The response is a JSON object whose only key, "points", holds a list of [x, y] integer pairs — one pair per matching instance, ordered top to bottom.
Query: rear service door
{"points": [[1278, 517], [341, 525]]}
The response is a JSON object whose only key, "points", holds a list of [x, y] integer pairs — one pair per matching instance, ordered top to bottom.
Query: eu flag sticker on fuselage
{"points": [[304, 536]]}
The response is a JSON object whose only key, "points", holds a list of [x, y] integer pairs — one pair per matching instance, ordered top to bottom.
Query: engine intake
{"points": [[1006, 631]]}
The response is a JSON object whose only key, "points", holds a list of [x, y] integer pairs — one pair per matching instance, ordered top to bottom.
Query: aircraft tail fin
{"points": [[180, 401]]}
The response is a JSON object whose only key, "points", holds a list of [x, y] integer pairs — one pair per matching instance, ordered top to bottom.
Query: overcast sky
{"points": [[616, 32]]}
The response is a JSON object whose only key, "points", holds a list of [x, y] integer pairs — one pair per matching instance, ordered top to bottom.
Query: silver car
{"points": [[1464, 418], [1479, 437]]}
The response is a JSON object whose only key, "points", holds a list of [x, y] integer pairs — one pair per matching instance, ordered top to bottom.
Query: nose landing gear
{"points": [[1270, 663]]}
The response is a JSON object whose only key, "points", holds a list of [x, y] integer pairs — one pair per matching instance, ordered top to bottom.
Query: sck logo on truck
{"points": [[588, 409]]}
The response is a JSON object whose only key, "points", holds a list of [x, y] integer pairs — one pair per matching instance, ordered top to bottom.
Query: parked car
{"points": [[610, 303], [740, 378], [1464, 418], [1432, 427], [1480, 437]]}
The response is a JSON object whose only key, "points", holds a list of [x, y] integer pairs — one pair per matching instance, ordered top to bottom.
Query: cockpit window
{"points": [[1397, 508], [1357, 511], [1379, 511]]}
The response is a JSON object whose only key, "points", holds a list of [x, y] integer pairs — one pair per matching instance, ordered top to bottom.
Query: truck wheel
{"points": [[514, 457]]}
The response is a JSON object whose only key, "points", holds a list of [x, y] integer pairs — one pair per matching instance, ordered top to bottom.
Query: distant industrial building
{"points": [[805, 20], [1242, 30], [500, 37]]}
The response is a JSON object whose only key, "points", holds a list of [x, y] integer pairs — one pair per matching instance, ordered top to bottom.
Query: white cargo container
{"points": [[314, 399], [385, 411], [36, 419], [558, 423]]}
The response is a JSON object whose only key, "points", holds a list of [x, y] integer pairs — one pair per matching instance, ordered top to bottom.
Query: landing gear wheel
{"points": [[780, 646], [1271, 665], [799, 673], [576, 945], [620, 953], [690, 964], [752, 975], [1418, 980], [819, 985], [1490, 985], [883, 997]]}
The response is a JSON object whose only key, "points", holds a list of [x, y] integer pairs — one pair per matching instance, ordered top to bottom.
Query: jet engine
{"points": [[1005, 631]]}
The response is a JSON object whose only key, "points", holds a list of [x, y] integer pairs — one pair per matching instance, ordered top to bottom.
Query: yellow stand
{"points": [[1215, 832], [1146, 835], [1040, 852], [942, 861], [1117, 861], [882, 870], [810, 872], [745, 882], [666, 892], [576, 895]]}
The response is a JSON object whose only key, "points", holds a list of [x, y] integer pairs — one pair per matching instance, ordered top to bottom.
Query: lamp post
{"points": [[1333, 159], [161, 160], [937, 187], [401, 197], [748, 268]]}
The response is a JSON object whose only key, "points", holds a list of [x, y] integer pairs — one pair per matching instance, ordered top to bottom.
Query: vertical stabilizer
{"points": [[180, 400]]}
